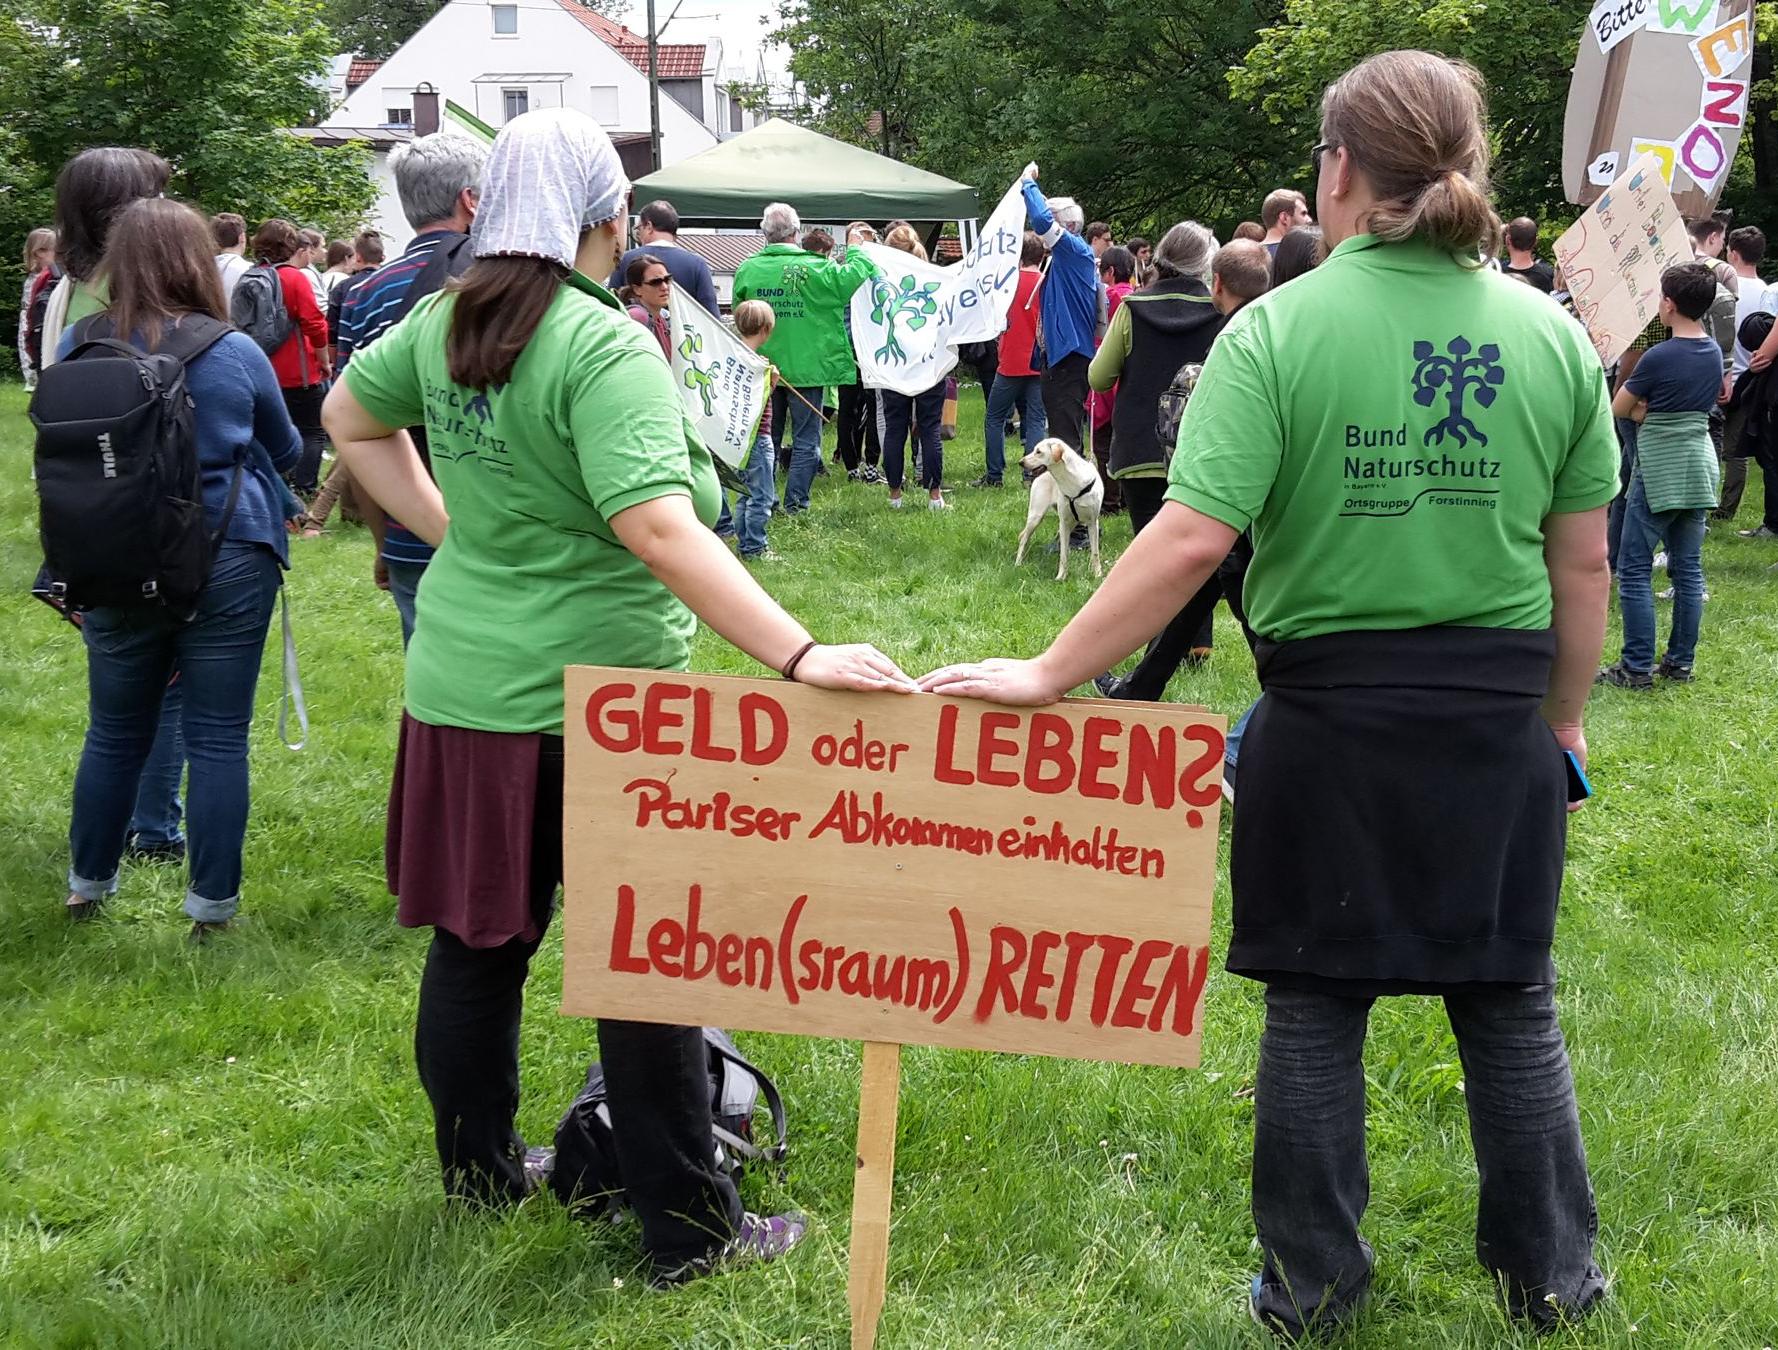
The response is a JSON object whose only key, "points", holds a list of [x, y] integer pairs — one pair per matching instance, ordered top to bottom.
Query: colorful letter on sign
{"points": [[1679, 16], [1721, 53], [1725, 103], [1664, 151], [1703, 156], [762, 855]]}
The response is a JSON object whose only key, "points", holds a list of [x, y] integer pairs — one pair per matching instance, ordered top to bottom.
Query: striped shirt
{"points": [[369, 306]]}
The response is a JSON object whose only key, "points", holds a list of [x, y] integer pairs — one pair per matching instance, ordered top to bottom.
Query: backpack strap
{"points": [[774, 1104]]}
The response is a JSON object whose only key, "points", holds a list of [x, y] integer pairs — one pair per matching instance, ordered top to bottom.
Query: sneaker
{"points": [[871, 473], [854, 475], [985, 482], [895, 503], [937, 504], [1761, 532], [1077, 540], [765, 555], [1660, 562], [1668, 595], [1198, 656], [1674, 674], [1623, 677], [1109, 685], [167, 851], [79, 911], [203, 930], [756, 1239], [1265, 1321]]}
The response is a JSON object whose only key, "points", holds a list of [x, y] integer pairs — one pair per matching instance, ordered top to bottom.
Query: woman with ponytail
{"points": [[1423, 451], [570, 514]]}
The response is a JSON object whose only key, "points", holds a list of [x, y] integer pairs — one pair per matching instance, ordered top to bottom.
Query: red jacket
{"points": [[1021, 326], [299, 362]]}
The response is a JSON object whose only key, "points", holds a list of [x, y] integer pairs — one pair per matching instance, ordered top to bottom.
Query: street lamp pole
{"points": [[654, 92]]}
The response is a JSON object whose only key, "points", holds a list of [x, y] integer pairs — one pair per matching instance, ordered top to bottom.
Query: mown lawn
{"points": [[228, 1147]]}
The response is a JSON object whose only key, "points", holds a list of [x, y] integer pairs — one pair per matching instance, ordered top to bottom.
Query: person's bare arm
{"points": [[1767, 351], [1626, 404], [384, 463], [1574, 551], [1173, 556], [697, 567]]}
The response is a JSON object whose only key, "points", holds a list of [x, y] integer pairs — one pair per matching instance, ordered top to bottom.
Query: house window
{"points": [[506, 20], [518, 102], [604, 104], [400, 117]]}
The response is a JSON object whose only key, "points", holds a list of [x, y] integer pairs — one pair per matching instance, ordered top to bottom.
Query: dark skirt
{"points": [[1403, 813], [475, 830]]}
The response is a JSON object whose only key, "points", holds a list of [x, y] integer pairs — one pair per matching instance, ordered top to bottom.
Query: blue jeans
{"points": [[1024, 392], [897, 416], [805, 448], [753, 510], [1614, 515], [1643, 532], [404, 585], [130, 655], [1231, 750], [156, 819], [1535, 1221]]}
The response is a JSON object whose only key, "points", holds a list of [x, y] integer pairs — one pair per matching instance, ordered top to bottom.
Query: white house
{"points": [[498, 60]]}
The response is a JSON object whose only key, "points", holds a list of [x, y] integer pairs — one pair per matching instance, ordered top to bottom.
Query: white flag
{"points": [[908, 321], [721, 379]]}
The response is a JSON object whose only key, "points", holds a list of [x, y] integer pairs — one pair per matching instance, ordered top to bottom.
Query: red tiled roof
{"points": [[674, 60], [361, 70], [724, 252]]}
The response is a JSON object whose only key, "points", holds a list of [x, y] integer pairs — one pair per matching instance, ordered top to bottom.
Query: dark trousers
{"points": [[1065, 400], [304, 407], [898, 414], [781, 424], [858, 426], [1727, 436], [1768, 469], [1614, 515], [1188, 628], [466, 1045], [1535, 1222]]}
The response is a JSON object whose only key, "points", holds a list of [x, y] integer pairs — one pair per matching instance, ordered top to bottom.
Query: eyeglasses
{"points": [[1317, 152], [657, 281]]}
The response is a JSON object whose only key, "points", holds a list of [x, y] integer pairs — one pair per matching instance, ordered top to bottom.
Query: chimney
{"points": [[426, 109]]}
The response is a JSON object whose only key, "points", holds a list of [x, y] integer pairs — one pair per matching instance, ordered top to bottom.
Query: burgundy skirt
{"points": [[474, 844]]}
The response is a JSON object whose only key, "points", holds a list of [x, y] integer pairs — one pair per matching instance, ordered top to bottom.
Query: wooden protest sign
{"points": [[1661, 77], [1613, 256], [762, 855]]}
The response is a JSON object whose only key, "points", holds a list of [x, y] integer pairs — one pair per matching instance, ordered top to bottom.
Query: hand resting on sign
{"points": [[1173, 556]]}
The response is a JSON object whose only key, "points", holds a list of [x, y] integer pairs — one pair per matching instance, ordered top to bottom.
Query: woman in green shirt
{"points": [[1424, 453], [570, 515]]}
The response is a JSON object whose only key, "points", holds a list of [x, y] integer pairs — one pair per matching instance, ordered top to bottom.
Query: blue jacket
{"points": [[1071, 290], [239, 407]]}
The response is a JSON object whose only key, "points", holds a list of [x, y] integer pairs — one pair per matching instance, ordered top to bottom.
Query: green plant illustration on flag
{"points": [[911, 303], [696, 377]]}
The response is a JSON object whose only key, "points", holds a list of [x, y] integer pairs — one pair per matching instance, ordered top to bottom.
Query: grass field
{"points": [[227, 1146]]}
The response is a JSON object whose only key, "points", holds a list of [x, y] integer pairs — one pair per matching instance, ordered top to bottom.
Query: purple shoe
{"points": [[756, 1239]]}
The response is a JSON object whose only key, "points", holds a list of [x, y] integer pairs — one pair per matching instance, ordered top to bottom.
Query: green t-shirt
{"points": [[1394, 428], [530, 577]]}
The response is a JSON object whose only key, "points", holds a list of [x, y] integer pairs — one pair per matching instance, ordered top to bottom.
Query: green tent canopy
{"points": [[822, 178]]}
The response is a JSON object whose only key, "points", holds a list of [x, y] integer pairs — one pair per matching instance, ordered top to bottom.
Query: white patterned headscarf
{"points": [[551, 174]]}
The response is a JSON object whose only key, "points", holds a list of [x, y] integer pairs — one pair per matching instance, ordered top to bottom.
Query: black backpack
{"points": [[257, 308], [1170, 412], [119, 488], [586, 1177]]}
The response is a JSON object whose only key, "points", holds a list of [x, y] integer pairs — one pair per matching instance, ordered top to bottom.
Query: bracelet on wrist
{"points": [[789, 671]]}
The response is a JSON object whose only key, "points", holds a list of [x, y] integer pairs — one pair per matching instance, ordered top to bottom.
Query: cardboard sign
{"points": [[1664, 75], [1613, 256], [762, 855]]}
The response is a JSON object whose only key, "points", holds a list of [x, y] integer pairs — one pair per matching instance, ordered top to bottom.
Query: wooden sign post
{"points": [[893, 869]]}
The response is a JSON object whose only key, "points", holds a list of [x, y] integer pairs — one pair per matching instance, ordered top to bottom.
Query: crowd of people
{"points": [[1426, 629]]}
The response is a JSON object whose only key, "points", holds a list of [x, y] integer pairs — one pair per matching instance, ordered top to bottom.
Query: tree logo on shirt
{"points": [[910, 303], [1457, 376], [696, 377]]}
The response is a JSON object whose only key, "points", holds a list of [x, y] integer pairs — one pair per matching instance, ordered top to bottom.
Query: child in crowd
{"points": [[754, 321], [1671, 393]]}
